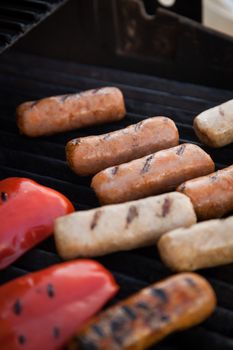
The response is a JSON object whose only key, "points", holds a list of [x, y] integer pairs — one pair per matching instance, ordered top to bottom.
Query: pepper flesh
{"points": [[27, 214], [42, 310]]}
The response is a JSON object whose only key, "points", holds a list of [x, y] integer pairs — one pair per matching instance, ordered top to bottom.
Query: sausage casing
{"points": [[63, 113], [214, 127], [89, 155], [159, 172], [211, 195], [122, 226], [206, 244], [176, 303]]}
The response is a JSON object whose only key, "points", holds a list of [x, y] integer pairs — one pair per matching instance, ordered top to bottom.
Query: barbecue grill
{"points": [[25, 76]]}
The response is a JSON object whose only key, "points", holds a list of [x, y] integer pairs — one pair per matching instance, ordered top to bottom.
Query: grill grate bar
{"points": [[18, 17], [132, 79], [44, 161]]}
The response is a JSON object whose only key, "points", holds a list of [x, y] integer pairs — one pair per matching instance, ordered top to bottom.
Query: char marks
{"points": [[95, 91], [63, 98], [221, 111], [137, 126], [107, 137], [75, 142], [180, 150], [147, 164], [114, 170], [214, 177], [182, 187], [4, 196], [166, 207], [131, 215], [95, 219], [190, 282], [50, 291], [161, 294], [17, 307], [129, 312], [98, 330], [56, 332], [22, 339]]}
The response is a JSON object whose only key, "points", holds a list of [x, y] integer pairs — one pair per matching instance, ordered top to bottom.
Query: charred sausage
{"points": [[63, 113], [214, 127], [89, 155], [157, 173], [211, 195], [122, 226], [206, 244], [177, 303]]}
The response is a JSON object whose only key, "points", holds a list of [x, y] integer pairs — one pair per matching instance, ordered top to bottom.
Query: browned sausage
{"points": [[62, 113], [89, 155], [157, 173], [212, 195], [176, 303]]}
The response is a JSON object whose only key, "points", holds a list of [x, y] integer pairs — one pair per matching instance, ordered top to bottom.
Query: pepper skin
{"points": [[27, 214], [42, 310]]}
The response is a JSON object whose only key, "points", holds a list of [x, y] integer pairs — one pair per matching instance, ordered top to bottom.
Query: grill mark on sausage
{"points": [[96, 90], [63, 98], [34, 103], [221, 111], [138, 126], [107, 137], [75, 141], [180, 150], [147, 164], [114, 170], [214, 177], [182, 187], [166, 207], [131, 215], [95, 219], [191, 282], [160, 293], [143, 306], [129, 312], [165, 318], [98, 330], [83, 342]]}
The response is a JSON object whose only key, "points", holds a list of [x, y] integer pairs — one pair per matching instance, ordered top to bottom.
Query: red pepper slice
{"points": [[27, 214], [42, 310]]}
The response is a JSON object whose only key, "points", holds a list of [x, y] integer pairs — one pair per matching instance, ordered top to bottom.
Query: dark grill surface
{"points": [[17, 17], [28, 77]]}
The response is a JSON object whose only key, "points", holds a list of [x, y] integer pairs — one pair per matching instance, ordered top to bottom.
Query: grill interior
{"points": [[17, 17], [24, 77]]}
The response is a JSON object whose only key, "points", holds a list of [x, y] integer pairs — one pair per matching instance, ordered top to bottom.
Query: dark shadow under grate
{"points": [[24, 77]]}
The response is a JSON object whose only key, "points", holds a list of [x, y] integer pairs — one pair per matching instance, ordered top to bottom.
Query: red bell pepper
{"points": [[27, 214], [42, 310]]}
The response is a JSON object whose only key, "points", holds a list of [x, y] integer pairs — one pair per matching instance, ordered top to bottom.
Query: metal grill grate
{"points": [[17, 17], [24, 77]]}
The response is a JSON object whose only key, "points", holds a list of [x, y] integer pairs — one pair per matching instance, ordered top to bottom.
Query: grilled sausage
{"points": [[63, 113], [214, 127], [88, 155], [157, 173], [211, 195], [123, 226], [206, 244], [177, 303]]}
